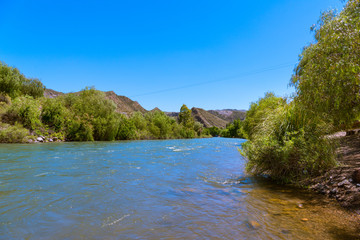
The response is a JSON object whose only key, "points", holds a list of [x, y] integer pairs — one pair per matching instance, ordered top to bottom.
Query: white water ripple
{"points": [[116, 221]]}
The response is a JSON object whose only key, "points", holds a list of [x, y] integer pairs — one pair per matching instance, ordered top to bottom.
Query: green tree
{"points": [[327, 78], [15, 84], [26, 111], [259, 111], [54, 114], [185, 117], [285, 144]]}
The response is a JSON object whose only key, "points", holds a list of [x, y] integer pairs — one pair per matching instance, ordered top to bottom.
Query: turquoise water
{"points": [[172, 189]]}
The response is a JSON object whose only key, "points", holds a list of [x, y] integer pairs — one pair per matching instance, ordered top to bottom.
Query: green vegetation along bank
{"points": [[88, 115], [287, 137]]}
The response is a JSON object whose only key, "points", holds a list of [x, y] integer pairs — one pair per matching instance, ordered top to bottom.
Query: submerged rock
{"points": [[254, 225], [285, 231]]}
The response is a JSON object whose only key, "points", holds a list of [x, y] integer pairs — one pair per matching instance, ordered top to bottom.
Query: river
{"points": [[169, 189]]}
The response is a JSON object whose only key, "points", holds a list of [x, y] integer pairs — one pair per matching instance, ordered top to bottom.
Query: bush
{"points": [[15, 84], [25, 110], [54, 113], [79, 130], [126, 130], [234, 130], [213, 131], [12, 134], [287, 146]]}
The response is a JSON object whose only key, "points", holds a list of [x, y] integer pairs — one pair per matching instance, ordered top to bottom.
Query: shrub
{"points": [[15, 84], [25, 110], [54, 113], [79, 130], [126, 130], [12, 134], [287, 146]]}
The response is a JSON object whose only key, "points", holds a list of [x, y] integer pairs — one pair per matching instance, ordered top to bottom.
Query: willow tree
{"points": [[327, 78]]}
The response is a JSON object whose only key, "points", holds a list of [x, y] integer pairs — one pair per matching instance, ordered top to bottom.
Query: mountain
{"points": [[49, 93], [125, 104], [156, 109], [172, 114], [229, 115], [207, 118]]}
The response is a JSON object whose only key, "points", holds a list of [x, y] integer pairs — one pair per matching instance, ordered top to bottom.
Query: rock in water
{"points": [[40, 139], [356, 176], [254, 224]]}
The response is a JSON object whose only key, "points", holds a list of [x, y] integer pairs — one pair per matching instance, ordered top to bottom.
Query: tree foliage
{"points": [[327, 78], [15, 84], [84, 116], [185, 117], [284, 143]]}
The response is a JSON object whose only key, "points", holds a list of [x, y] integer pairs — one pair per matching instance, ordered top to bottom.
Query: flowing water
{"points": [[173, 189]]}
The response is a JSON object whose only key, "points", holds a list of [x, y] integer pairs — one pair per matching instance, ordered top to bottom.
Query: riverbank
{"points": [[343, 181]]}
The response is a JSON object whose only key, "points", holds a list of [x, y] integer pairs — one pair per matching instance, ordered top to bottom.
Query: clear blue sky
{"points": [[140, 48]]}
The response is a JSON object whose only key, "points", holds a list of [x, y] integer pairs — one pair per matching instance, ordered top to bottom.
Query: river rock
{"points": [[40, 139], [50, 140], [30, 141], [356, 176], [344, 183], [304, 219], [254, 225]]}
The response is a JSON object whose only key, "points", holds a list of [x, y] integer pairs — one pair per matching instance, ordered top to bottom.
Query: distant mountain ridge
{"points": [[229, 115], [207, 118], [210, 118]]}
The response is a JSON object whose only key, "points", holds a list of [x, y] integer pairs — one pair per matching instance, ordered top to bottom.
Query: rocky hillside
{"points": [[49, 93], [125, 104], [229, 115], [214, 118], [208, 119]]}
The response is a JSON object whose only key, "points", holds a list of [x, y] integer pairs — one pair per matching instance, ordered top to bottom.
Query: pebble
{"points": [[345, 182], [300, 205], [304, 219], [254, 224]]}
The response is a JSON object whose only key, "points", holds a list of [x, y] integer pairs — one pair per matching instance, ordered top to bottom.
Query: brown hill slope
{"points": [[49, 93], [125, 104], [229, 115], [208, 119]]}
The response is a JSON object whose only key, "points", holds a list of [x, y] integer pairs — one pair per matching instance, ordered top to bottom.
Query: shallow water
{"points": [[173, 189]]}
